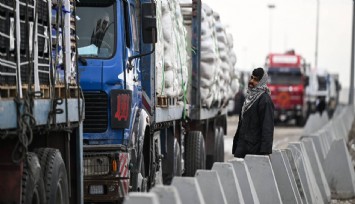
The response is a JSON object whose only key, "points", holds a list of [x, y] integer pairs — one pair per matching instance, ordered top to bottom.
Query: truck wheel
{"points": [[220, 146], [195, 156], [177, 159], [55, 175], [32, 181]]}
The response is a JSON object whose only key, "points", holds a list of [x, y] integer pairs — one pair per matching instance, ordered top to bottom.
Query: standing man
{"points": [[256, 121]]}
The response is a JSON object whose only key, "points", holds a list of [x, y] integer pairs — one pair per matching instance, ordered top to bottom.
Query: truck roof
{"points": [[283, 60]]}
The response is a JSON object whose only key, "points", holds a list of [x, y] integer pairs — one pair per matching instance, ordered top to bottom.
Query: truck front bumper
{"points": [[284, 115]]}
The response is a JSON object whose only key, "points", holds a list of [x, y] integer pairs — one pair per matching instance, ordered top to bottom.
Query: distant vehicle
{"points": [[287, 84], [322, 87]]}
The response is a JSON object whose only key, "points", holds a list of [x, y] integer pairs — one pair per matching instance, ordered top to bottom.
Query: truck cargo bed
{"points": [[41, 109]]}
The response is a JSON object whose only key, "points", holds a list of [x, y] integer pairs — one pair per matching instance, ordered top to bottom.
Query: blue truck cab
{"points": [[110, 48]]}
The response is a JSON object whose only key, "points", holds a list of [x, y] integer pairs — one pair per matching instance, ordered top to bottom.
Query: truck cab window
{"points": [[126, 23], [96, 29], [135, 35], [280, 76]]}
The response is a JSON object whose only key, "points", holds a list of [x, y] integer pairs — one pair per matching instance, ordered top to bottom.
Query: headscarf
{"points": [[254, 93]]}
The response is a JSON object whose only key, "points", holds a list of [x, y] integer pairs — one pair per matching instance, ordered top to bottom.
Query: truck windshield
{"points": [[96, 29], [285, 76], [322, 83]]}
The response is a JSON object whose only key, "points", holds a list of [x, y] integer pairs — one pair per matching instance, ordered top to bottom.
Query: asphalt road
{"points": [[283, 134]]}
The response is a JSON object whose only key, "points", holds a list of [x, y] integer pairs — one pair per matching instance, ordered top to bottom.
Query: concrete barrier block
{"points": [[324, 118], [312, 124], [339, 129], [327, 138], [317, 141], [317, 169], [339, 171], [306, 173], [263, 178], [284, 178], [229, 182], [299, 182], [210, 185], [247, 187], [188, 189], [166, 194], [138, 198]]}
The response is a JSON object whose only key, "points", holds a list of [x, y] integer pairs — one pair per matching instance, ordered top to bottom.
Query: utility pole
{"points": [[271, 7], [317, 33], [351, 93]]}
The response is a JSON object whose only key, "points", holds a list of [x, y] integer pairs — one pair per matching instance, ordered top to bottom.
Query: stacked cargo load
{"points": [[31, 45], [171, 54], [218, 77], [227, 80]]}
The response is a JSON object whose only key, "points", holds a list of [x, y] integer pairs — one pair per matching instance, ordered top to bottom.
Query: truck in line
{"points": [[287, 82], [322, 88], [153, 109], [41, 110]]}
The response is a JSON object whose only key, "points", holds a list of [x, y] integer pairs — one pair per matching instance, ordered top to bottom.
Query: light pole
{"points": [[271, 7], [317, 30], [351, 93]]}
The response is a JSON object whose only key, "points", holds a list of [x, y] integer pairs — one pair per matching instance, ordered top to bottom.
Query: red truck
{"points": [[287, 82]]}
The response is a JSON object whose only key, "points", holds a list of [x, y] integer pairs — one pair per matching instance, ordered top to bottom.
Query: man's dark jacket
{"points": [[255, 131]]}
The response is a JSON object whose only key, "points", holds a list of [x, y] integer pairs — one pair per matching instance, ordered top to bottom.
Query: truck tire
{"points": [[220, 146], [195, 155], [212, 158], [177, 159], [55, 175], [32, 181]]}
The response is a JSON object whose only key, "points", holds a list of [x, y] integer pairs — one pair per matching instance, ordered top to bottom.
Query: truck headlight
{"points": [[96, 165]]}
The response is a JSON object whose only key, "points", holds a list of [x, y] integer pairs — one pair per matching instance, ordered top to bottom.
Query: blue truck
{"points": [[41, 108], [134, 137]]}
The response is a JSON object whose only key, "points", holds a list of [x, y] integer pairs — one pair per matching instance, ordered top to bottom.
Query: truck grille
{"points": [[96, 112]]}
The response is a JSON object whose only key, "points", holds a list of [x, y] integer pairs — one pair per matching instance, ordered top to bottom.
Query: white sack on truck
{"points": [[171, 53]]}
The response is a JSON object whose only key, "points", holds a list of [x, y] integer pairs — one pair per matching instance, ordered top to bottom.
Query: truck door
{"points": [[132, 68]]}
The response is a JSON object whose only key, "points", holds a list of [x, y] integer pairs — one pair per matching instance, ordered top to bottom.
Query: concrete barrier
{"points": [[312, 124], [319, 145], [290, 164], [317, 169], [339, 171], [306, 173], [263, 178], [284, 179], [229, 182], [210, 186], [247, 187], [188, 189], [166, 194], [139, 198]]}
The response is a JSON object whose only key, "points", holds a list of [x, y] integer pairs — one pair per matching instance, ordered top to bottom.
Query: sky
{"points": [[292, 24]]}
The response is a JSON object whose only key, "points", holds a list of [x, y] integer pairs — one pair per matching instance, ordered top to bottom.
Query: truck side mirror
{"points": [[149, 23]]}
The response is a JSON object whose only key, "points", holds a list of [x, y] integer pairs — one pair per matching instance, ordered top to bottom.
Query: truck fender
{"points": [[143, 123]]}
